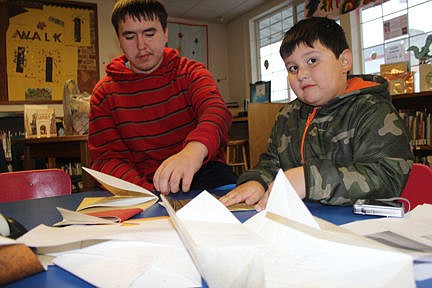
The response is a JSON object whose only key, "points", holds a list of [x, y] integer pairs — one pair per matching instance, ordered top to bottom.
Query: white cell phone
{"points": [[379, 207]]}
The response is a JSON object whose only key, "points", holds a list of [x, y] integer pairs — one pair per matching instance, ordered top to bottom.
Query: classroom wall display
{"points": [[333, 8], [191, 40], [44, 49]]}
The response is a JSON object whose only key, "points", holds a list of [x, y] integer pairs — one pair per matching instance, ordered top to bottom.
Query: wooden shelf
{"points": [[417, 101], [420, 101], [70, 146], [423, 147]]}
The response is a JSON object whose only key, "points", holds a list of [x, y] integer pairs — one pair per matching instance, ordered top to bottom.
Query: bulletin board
{"points": [[191, 40], [48, 44]]}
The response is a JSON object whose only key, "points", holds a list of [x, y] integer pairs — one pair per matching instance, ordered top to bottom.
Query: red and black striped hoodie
{"points": [[139, 120]]}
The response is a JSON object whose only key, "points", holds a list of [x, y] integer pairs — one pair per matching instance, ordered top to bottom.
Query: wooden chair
{"points": [[261, 118], [235, 155], [3, 163], [31, 184], [418, 189]]}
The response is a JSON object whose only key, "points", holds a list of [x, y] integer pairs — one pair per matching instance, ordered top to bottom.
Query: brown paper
{"points": [[17, 261]]}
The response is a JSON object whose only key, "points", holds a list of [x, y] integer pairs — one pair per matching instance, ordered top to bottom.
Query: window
{"points": [[269, 31], [376, 47]]}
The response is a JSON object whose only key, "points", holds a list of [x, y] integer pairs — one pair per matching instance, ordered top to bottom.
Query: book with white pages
{"points": [[126, 195]]}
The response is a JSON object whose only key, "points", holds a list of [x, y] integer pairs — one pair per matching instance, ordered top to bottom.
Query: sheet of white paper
{"points": [[117, 182], [287, 203], [205, 209], [72, 217], [158, 231], [411, 235], [6, 241], [225, 241], [147, 250], [282, 256], [132, 264]]}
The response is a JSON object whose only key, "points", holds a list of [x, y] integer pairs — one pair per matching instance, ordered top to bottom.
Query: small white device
{"points": [[379, 207]]}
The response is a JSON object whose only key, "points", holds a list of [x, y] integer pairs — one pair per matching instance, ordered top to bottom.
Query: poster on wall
{"points": [[395, 27], [190, 40], [42, 51]]}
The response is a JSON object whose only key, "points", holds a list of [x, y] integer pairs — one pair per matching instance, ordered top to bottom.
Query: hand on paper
{"points": [[180, 169], [296, 177], [250, 192]]}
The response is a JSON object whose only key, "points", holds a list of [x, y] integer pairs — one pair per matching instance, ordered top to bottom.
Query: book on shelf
{"points": [[39, 121], [419, 126]]}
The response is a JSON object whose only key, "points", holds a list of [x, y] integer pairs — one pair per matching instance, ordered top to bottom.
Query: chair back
{"points": [[261, 119], [3, 163], [31, 184], [418, 189]]}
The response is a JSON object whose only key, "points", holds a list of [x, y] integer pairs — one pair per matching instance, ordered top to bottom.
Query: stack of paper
{"points": [[130, 198], [411, 235], [283, 246], [119, 255]]}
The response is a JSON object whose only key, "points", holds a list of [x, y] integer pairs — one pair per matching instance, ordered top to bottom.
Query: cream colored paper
{"points": [[126, 195], [78, 218], [411, 234], [272, 249], [120, 255]]}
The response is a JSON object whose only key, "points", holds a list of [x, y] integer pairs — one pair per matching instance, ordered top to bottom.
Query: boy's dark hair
{"points": [[139, 10], [307, 31]]}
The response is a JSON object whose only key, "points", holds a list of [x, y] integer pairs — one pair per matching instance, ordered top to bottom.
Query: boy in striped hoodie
{"points": [[157, 119]]}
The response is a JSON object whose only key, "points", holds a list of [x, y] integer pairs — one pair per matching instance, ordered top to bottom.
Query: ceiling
{"points": [[213, 11]]}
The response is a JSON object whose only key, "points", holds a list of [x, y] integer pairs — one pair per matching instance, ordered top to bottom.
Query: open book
{"points": [[126, 197]]}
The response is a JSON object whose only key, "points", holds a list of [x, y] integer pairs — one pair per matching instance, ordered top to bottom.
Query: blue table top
{"points": [[31, 213]]}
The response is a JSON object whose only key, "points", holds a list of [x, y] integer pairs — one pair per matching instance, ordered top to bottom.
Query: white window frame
{"points": [[412, 38], [279, 87]]}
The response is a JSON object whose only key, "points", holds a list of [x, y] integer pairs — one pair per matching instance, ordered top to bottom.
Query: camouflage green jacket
{"points": [[357, 146]]}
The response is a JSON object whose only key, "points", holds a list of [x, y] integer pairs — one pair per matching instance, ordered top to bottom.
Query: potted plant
{"points": [[425, 66]]}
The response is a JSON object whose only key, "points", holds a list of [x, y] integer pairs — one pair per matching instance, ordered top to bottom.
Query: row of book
{"points": [[419, 126], [6, 138], [426, 160], [72, 168]]}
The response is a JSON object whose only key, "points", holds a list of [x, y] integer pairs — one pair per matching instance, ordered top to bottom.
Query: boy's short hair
{"points": [[139, 10], [307, 31]]}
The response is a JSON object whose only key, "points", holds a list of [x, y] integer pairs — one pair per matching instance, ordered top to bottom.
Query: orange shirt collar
{"points": [[358, 83]]}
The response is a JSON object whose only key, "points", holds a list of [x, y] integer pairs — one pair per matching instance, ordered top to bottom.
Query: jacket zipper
{"points": [[308, 122]]}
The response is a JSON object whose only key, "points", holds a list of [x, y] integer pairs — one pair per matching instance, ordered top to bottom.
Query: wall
{"points": [[108, 44], [217, 44], [108, 47], [229, 48], [239, 51], [217, 53], [241, 71]]}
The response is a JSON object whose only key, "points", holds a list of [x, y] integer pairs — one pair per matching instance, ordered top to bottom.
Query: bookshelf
{"points": [[420, 102], [56, 148]]}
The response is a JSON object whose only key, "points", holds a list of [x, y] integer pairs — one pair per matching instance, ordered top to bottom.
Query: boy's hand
{"points": [[180, 168], [250, 192]]}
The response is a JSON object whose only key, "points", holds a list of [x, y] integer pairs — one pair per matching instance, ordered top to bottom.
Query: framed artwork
{"points": [[47, 43], [260, 92]]}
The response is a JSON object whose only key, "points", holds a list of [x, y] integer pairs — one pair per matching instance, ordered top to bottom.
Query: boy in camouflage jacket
{"points": [[341, 139]]}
